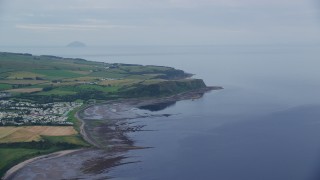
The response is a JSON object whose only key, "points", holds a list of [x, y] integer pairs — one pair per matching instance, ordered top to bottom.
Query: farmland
{"points": [[5, 87], [24, 90], [32, 133], [21, 143], [13, 153]]}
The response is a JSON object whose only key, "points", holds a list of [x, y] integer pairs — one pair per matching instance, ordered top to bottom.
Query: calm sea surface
{"points": [[265, 124]]}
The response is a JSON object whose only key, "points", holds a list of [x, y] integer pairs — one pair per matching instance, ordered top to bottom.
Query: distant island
{"points": [[76, 44], [40, 97]]}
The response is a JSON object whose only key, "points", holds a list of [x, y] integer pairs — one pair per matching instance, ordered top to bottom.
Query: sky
{"points": [[158, 22]]}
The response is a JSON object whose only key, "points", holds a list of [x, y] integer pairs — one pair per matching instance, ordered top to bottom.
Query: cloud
{"points": [[103, 4], [141, 4], [153, 21], [71, 27]]}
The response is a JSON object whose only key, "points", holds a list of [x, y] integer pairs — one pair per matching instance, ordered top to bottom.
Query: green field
{"points": [[23, 74], [54, 74], [22, 82], [5, 87], [56, 92], [72, 118], [75, 139], [13, 154]]}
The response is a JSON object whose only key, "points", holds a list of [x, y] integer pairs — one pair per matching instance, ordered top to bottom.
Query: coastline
{"points": [[194, 94], [188, 95], [105, 124], [83, 131], [12, 171]]}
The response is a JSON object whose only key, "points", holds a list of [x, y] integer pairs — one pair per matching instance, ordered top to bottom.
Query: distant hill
{"points": [[76, 44]]}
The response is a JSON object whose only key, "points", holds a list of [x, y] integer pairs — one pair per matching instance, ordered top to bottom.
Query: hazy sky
{"points": [[158, 22]]}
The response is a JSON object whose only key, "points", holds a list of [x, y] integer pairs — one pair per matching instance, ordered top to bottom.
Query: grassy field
{"points": [[23, 74], [53, 74], [108, 74], [23, 82], [119, 83], [5, 87], [84, 87], [24, 90], [56, 92], [72, 118], [32, 133], [55, 139], [74, 139], [12, 156]]}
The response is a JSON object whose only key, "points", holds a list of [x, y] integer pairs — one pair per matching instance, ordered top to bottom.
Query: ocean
{"points": [[264, 124]]}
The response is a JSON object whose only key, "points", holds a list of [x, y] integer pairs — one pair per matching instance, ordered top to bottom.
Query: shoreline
{"points": [[190, 95], [116, 125], [83, 131], [12, 171]]}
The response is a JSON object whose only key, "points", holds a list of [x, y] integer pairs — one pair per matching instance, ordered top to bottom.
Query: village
{"points": [[27, 113]]}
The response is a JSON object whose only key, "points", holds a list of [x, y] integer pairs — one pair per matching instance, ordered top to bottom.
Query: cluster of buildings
{"points": [[4, 95], [27, 113]]}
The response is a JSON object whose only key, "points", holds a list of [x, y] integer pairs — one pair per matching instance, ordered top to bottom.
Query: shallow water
{"points": [[264, 125]]}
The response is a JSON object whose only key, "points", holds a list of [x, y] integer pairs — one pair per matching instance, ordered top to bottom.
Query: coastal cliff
{"points": [[164, 88]]}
